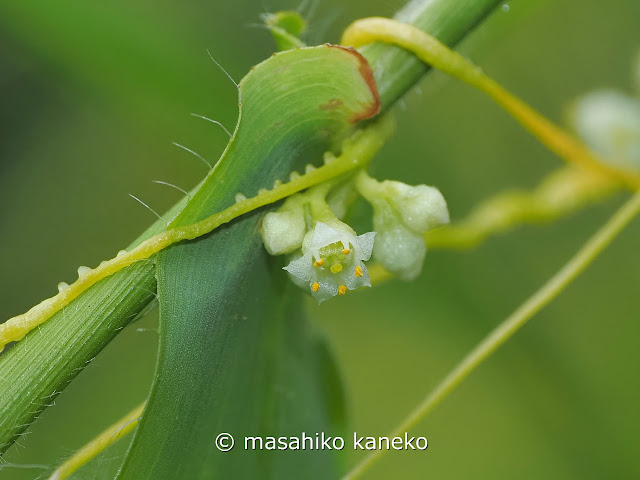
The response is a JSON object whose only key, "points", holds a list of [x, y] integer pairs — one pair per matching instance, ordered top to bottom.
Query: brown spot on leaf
{"points": [[367, 74], [332, 104]]}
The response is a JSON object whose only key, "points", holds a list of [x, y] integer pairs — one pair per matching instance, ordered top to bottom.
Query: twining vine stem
{"points": [[431, 51], [357, 151], [550, 290], [99, 444]]}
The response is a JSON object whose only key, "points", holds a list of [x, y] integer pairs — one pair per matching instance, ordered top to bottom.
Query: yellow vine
{"points": [[431, 51], [356, 152], [560, 193], [99, 444]]}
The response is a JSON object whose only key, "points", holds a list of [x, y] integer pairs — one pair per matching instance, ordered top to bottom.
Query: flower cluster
{"points": [[327, 257]]}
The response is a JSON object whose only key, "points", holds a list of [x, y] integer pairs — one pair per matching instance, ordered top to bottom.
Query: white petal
{"points": [[422, 208], [365, 245], [401, 251], [301, 267]]}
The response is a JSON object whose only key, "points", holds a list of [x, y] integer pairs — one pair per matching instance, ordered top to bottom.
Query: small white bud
{"points": [[609, 122], [421, 207], [283, 231]]}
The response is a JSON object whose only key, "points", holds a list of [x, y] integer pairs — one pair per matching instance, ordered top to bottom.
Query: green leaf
{"points": [[236, 353]]}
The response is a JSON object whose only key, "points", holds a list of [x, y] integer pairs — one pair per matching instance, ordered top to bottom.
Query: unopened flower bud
{"points": [[609, 122], [283, 231]]}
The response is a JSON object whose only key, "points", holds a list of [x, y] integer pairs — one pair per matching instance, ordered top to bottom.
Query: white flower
{"points": [[609, 122], [401, 215], [332, 260]]}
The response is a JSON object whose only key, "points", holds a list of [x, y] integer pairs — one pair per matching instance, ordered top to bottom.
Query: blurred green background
{"points": [[92, 94]]}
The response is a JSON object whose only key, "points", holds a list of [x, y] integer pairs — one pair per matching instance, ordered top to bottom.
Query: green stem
{"points": [[550, 290]]}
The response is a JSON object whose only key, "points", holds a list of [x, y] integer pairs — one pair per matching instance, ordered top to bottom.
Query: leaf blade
{"points": [[231, 349]]}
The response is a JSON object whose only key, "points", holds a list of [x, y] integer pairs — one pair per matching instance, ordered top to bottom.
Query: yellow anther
{"points": [[346, 251], [318, 263], [336, 268], [359, 272], [315, 287], [342, 289]]}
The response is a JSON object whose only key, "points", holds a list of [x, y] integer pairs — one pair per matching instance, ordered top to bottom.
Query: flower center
{"points": [[333, 257]]}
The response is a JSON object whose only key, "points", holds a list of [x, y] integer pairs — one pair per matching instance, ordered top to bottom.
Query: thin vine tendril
{"points": [[550, 290]]}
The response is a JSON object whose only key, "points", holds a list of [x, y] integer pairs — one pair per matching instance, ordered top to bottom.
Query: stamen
{"points": [[346, 251], [318, 263], [359, 271], [315, 287], [342, 289]]}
